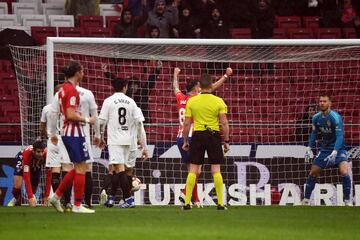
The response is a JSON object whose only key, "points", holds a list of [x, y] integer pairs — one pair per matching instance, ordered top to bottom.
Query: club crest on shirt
{"points": [[72, 101], [328, 123], [26, 168]]}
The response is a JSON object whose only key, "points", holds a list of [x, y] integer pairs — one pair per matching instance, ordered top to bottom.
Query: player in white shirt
{"points": [[88, 107], [120, 113], [57, 157]]}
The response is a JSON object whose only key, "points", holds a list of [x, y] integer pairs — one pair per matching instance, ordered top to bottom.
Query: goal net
{"points": [[271, 97]]}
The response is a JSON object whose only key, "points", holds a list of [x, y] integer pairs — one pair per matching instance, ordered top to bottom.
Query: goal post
{"points": [[273, 92]]}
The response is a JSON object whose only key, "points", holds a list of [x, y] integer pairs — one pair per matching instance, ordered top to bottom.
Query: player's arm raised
{"points": [[176, 80], [220, 82]]}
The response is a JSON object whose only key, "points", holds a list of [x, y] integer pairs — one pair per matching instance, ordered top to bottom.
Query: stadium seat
{"points": [[37, 2], [9, 5], [3, 8], [25, 8], [56, 8], [108, 10], [8, 20], [33, 20], [61, 21], [90, 21], [111, 21], [288, 21], [311, 21], [70, 32], [97, 32], [40, 33], [240, 33], [279, 33], [300, 33], [327, 33], [349, 33], [6, 66], [7, 78]]}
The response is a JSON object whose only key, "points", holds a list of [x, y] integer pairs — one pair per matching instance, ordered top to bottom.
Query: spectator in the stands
{"points": [[356, 5], [82, 7], [348, 14], [164, 17], [263, 20], [128, 25], [187, 27], [216, 27], [154, 32]]}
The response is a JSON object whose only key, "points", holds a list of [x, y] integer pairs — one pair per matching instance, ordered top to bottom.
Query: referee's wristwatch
{"points": [[227, 141]]}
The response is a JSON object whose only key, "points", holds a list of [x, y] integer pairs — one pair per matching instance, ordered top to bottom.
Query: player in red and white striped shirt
{"points": [[192, 89], [73, 137]]}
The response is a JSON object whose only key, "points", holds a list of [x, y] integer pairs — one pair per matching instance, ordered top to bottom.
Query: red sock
{"points": [[48, 182], [65, 183], [79, 186], [16, 193], [195, 195]]}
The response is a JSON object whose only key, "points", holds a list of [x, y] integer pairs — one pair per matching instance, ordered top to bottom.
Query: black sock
{"points": [[115, 180], [130, 180], [55, 181], [107, 183], [125, 185], [88, 188], [67, 193]]}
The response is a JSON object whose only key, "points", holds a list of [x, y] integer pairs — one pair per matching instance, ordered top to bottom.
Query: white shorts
{"points": [[89, 148], [119, 154], [52, 155], [56, 155]]}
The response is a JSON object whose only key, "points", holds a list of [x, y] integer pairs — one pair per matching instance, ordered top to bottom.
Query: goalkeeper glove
{"points": [[308, 154], [331, 158]]}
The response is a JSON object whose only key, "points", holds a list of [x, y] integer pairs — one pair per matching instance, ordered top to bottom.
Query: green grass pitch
{"points": [[170, 222]]}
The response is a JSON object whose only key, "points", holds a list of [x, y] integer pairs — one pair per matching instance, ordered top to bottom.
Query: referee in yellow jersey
{"points": [[205, 111]]}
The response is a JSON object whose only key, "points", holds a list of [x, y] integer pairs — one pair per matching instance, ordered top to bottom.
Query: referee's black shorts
{"points": [[206, 141]]}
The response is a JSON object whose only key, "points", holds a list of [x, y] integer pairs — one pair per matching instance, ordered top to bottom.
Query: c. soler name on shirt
{"points": [[116, 101]]}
